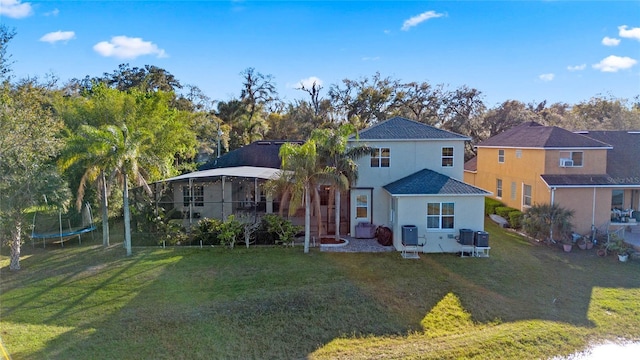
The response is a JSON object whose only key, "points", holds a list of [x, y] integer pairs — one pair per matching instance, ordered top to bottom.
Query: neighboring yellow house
{"points": [[534, 164]]}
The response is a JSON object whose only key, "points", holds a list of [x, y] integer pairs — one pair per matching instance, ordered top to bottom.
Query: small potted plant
{"points": [[567, 243], [617, 245]]}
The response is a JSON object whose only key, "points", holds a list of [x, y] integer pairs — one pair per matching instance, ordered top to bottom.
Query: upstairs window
{"points": [[501, 155], [381, 157], [447, 157], [571, 158]]}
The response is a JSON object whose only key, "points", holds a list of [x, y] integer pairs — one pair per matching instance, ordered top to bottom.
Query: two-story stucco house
{"points": [[534, 164], [415, 179]]}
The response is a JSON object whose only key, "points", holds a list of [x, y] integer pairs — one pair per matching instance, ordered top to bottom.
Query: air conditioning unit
{"points": [[566, 163]]}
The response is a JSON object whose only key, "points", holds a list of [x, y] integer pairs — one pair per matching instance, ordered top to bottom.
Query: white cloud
{"points": [[15, 9], [53, 12], [415, 20], [633, 33], [56, 36], [607, 41], [124, 47], [371, 58], [614, 63], [577, 67], [546, 77], [308, 82]]}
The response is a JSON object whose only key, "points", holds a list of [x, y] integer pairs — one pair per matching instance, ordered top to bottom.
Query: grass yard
{"points": [[525, 301]]}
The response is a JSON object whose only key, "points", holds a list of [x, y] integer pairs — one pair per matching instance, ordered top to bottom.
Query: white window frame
{"points": [[518, 153], [573, 155], [501, 156], [447, 157], [378, 160], [499, 188], [513, 190], [196, 193], [526, 196], [441, 216]]}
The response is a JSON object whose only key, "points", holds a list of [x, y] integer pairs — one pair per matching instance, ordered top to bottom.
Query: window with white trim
{"points": [[518, 153], [501, 155], [447, 156], [381, 157], [576, 158], [499, 188], [513, 190], [198, 195], [526, 195], [440, 215]]}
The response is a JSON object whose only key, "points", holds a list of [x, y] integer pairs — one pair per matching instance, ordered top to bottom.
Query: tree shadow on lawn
{"points": [[280, 303]]}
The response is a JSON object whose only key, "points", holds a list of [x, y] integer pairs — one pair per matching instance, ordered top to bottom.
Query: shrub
{"points": [[490, 205], [504, 211], [515, 219], [547, 222], [284, 228], [230, 230], [207, 231]]}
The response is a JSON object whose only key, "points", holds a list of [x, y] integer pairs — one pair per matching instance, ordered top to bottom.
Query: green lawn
{"points": [[525, 301]]}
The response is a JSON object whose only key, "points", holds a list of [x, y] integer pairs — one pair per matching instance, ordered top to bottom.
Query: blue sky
{"points": [[530, 51]]}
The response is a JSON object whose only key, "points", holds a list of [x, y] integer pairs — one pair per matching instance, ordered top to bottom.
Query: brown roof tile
{"points": [[534, 135], [623, 161]]}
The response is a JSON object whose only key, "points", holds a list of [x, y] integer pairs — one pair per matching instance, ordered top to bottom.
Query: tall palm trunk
{"points": [[105, 213], [337, 214], [127, 216], [307, 217], [14, 264]]}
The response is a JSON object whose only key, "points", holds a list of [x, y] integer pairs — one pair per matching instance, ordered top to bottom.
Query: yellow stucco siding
{"points": [[594, 162], [520, 166], [470, 177], [590, 206]]}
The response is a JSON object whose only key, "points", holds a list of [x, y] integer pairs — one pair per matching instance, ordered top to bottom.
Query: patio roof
{"points": [[238, 171]]}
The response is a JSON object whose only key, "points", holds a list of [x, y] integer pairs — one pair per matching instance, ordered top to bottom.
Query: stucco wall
{"points": [[406, 158], [593, 162], [524, 170], [213, 206], [586, 212], [469, 214]]}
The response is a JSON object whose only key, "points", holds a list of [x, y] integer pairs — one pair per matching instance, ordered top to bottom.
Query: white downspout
{"points": [[593, 208]]}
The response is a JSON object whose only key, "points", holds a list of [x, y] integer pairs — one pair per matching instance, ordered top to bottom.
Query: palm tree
{"points": [[90, 150], [130, 150], [335, 153], [121, 154], [301, 174], [541, 220]]}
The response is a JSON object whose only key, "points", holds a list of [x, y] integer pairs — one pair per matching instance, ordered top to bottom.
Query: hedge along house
{"points": [[595, 174], [415, 179], [228, 185]]}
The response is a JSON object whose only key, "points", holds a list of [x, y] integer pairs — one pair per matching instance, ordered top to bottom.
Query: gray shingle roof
{"points": [[399, 128], [534, 135], [258, 154], [623, 161], [579, 180], [429, 182]]}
